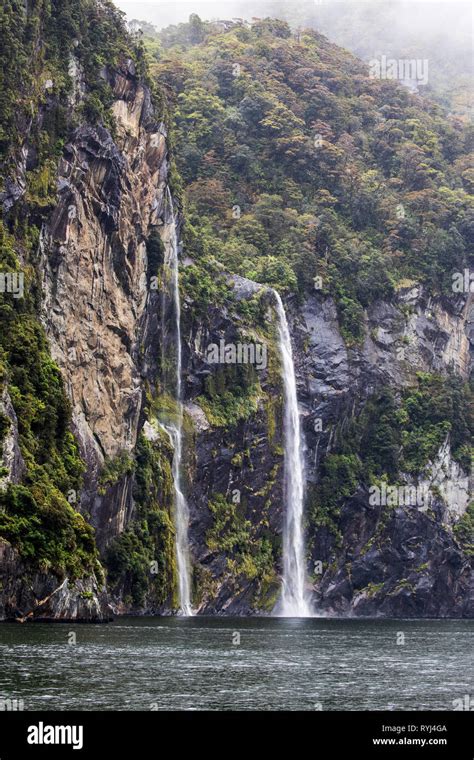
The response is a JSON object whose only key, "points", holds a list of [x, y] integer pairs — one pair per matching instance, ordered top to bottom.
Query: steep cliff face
{"points": [[81, 218], [97, 303], [380, 376], [235, 478], [393, 558], [38, 596]]}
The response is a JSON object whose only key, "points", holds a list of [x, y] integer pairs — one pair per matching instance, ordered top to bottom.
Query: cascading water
{"points": [[175, 429], [293, 602]]}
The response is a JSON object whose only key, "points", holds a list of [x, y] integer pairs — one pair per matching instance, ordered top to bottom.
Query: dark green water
{"points": [[193, 664]]}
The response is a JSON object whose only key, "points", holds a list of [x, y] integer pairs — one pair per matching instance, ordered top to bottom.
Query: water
{"points": [[175, 431], [181, 520], [293, 601], [191, 664]]}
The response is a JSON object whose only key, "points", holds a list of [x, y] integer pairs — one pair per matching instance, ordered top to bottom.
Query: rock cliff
{"points": [[98, 308]]}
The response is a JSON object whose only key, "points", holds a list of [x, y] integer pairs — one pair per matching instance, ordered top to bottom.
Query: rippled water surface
{"points": [[238, 664]]}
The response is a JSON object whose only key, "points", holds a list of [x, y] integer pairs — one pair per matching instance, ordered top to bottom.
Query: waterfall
{"points": [[175, 429], [293, 602]]}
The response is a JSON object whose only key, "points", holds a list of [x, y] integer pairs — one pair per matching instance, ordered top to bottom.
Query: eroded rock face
{"points": [[97, 304], [334, 380], [11, 458], [244, 463], [404, 562], [401, 563], [31, 596]]}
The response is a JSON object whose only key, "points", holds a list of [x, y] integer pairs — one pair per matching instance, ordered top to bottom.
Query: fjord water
{"points": [[175, 430], [292, 602], [196, 663]]}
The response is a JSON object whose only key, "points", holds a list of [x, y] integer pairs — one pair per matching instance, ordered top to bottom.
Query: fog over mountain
{"points": [[421, 17], [436, 33]]}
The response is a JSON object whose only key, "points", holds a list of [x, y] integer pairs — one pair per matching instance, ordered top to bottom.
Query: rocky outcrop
{"points": [[97, 304], [11, 458], [242, 463], [404, 562], [396, 563], [401, 563], [28, 596]]}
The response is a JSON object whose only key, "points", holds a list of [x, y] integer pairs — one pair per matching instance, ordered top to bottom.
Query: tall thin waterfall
{"points": [[175, 429], [293, 602]]}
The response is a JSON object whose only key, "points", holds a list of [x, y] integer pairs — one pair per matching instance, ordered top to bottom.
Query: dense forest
{"points": [[300, 172], [337, 181]]}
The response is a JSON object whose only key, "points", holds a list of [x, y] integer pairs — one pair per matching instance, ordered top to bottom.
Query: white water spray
{"points": [[175, 431], [293, 602]]}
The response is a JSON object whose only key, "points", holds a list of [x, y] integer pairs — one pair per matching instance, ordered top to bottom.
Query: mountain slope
{"points": [[289, 169], [84, 174], [352, 197]]}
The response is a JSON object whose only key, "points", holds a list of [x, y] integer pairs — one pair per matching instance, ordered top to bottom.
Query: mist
{"points": [[415, 17], [437, 33]]}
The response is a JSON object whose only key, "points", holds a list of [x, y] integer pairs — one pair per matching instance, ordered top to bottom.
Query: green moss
{"points": [[42, 184], [233, 393], [273, 409], [5, 425], [237, 460], [114, 470], [37, 517], [464, 530], [229, 531], [248, 558], [141, 561], [422, 568], [404, 583], [204, 585], [372, 589], [267, 593]]}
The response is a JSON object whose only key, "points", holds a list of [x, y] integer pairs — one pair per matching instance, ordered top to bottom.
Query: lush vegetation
{"points": [[395, 30], [297, 166], [232, 393], [392, 438], [39, 516], [464, 530], [248, 557], [141, 560]]}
